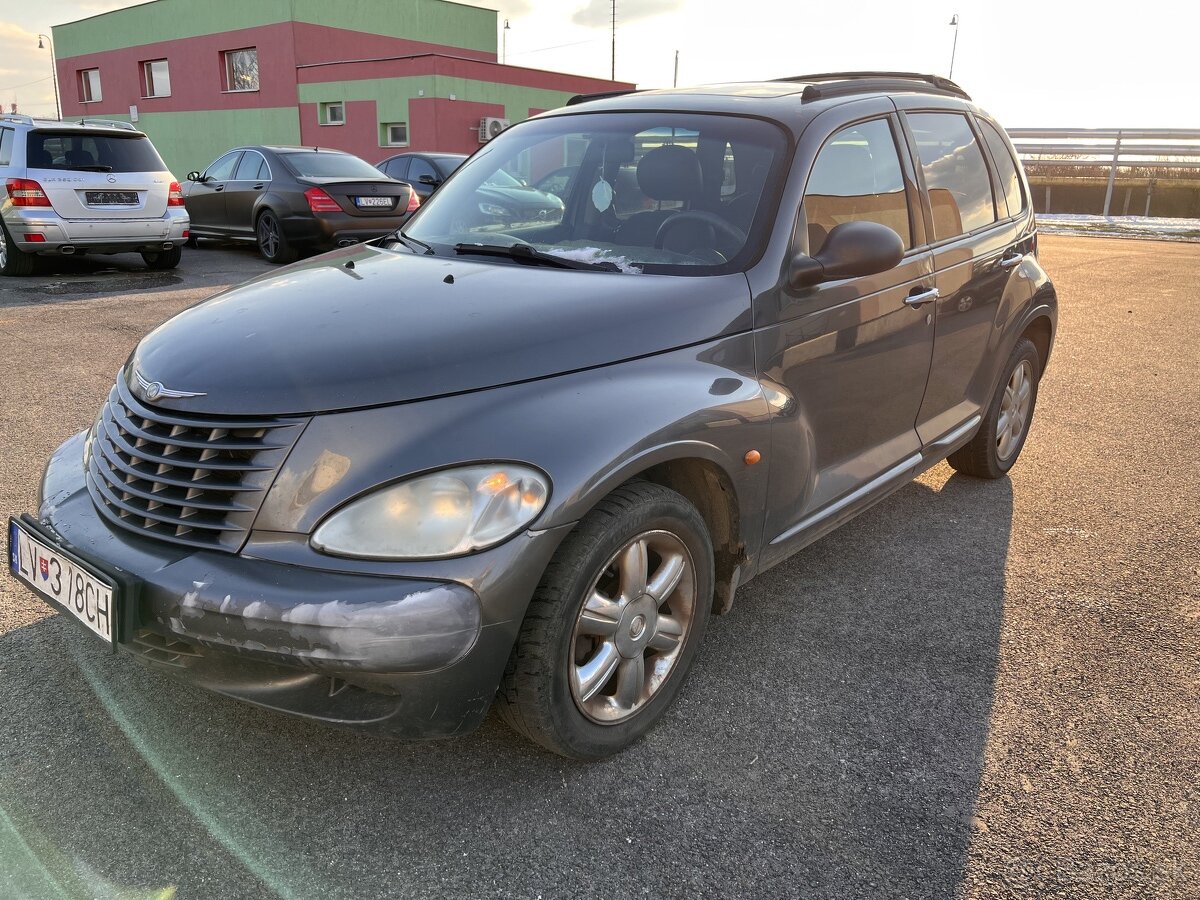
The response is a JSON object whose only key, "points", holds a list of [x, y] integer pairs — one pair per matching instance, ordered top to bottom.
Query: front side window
{"points": [[241, 69], [156, 78], [89, 86], [333, 113], [394, 134], [91, 152], [420, 167], [1006, 167], [222, 169], [857, 177], [956, 177], [667, 193]]}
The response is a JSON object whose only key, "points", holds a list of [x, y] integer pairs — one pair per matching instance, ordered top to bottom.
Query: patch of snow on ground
{"points": [[1145, 227], [596, 255]]}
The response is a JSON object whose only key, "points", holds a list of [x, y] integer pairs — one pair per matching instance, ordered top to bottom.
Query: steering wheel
{"points": [[698, 215]]}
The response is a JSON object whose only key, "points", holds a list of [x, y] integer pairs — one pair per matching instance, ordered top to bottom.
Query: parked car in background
{"points": [[87, 187], [504, 198], [291, 200], [528, 462]]}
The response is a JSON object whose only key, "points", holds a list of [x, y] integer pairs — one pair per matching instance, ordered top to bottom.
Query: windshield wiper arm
{"points": [[90, 168], [425, 248], [526, 252]]}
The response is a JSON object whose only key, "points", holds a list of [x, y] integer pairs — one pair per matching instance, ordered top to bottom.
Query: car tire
{"points": [[192, 242], [272, 243], [160, 260], [14, 261], [1001, 436], [640, 565]]}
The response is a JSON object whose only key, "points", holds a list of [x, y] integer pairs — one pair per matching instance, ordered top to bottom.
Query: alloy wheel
{"points": [[268, 236], [3, 250], [1014, 410], [632, 627]]}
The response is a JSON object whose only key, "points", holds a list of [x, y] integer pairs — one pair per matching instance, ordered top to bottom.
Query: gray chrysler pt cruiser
{"points": [[497, 457]]}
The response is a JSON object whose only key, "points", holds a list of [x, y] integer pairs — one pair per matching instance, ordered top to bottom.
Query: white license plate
{"points": [[382, 202], [62, 580]]}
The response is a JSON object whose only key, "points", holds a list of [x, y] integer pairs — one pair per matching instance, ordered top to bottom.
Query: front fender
{"points": [[589, 431]]}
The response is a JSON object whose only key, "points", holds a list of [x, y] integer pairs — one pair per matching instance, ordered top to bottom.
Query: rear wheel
{"points": [[272, 243], [163, 259], [13, 260], [997, 444], [614, 626]]}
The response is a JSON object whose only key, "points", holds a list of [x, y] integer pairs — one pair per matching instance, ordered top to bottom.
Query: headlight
{"points": [[493, 209], [448, 513]]}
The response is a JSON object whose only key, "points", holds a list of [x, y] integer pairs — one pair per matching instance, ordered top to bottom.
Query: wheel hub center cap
{"points": [[638, 621]]}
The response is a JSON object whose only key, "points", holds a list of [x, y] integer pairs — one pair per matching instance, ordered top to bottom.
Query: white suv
{"points": [[86, 187]]}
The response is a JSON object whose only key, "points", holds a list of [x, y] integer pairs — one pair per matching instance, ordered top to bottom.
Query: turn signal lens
{"points": [[24, 192], [175, 195], [319, 201], [414, 202], [448, 513]]}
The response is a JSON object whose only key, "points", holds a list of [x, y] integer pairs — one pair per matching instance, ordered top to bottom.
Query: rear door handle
{"points": [[258, 187], [219, 188], [1009, 261], [919, 296]]}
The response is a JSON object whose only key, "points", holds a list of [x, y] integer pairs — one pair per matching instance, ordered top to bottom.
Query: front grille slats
{"points": [[190, 479]]}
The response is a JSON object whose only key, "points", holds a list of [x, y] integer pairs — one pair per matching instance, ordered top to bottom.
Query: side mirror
{"points": [[193, 176], [427, 179], [851, 250]]}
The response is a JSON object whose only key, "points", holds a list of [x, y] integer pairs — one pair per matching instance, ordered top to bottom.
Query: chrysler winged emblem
{"points": [[154, 390]]}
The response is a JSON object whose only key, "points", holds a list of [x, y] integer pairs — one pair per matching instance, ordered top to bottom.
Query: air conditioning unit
{"points": [[489, 127]]}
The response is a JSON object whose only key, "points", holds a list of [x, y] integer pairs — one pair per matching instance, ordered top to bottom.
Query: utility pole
{"points": [[613, 76], [675, 81]]}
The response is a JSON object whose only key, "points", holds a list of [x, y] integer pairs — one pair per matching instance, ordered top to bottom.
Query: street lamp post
{"points": [[953, 49], [504, 50], [53, 73]]}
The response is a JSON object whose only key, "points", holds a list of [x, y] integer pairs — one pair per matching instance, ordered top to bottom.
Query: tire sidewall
{"points": [[592, 740]]}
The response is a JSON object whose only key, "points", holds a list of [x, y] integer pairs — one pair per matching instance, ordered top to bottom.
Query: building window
{"points": [[241, 69], [156, 78], [89, 86], [333, 113], [393, 134]]}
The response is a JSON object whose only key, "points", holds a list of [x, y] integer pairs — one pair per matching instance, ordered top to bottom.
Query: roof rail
{"points": [[818, 86], [585, 98], [17, 117], [108, 123]]}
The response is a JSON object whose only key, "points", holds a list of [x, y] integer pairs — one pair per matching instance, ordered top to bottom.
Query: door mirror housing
{"points": [[193, 176], [427, 179], [851, 250]]}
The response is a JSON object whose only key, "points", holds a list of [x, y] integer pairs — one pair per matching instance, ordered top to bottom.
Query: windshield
{"points": [[89, 151], [330, 165], [669, 193]]}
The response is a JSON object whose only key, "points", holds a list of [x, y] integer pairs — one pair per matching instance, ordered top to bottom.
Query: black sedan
{"points": [[503, 198], [291, 200]]}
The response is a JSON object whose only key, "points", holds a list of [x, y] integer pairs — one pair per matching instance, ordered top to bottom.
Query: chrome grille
{"points": [[190, 479]]}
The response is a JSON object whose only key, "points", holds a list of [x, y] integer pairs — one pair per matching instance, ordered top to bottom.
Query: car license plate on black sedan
{"points": [[111, 198], [374, 202], [64, 580]]}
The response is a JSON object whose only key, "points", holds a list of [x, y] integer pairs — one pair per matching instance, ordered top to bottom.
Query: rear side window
{"points": [[6, 146], [75, 151], [252, 167], [1006, 167], [857, 177], [960, 190]]}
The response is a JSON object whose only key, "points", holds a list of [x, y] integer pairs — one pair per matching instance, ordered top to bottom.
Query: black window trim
{"points": [[998, 186], [926, 205]]}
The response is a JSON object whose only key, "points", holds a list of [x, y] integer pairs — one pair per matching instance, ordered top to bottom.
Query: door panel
{"points": [[251, 178], [206, 199]]}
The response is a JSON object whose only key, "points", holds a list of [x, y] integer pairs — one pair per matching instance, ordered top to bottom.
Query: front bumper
{"points": [[94, 235], [403, 655]]}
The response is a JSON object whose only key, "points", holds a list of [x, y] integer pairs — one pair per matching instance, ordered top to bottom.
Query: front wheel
{"points": [[272, 243], [160, 260], [997, 444], [614, 626]]}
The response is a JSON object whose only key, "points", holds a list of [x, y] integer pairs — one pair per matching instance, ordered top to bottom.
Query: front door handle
{"points": [[258, 187], [219, 188], [1009, 261], [920, 296]]}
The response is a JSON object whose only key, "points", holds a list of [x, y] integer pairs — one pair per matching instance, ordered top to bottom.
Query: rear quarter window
{"points": [[6, 146], [88, 151], [1006, 167]]}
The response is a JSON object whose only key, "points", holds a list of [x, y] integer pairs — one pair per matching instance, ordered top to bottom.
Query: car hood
{"points": [[365, 326]]}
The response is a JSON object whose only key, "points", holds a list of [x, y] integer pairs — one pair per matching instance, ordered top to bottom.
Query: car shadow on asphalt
{"points": [[830, 743]]}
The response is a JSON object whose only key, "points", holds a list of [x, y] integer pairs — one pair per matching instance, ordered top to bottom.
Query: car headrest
{"points": [[80, 158], [670, 173]]}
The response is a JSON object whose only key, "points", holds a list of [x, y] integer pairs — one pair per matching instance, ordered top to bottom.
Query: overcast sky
{"points": [[1054, 62]]}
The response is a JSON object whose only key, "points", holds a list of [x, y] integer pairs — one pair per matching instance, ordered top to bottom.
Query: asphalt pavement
{"points": [[975, 689]]}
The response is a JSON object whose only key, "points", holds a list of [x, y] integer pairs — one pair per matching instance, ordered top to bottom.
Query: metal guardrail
{"points": [[1110, 148]]}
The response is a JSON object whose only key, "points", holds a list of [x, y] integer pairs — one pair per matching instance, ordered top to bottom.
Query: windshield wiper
{"points": [[90, 168], [406, 240], [528, 253]]}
